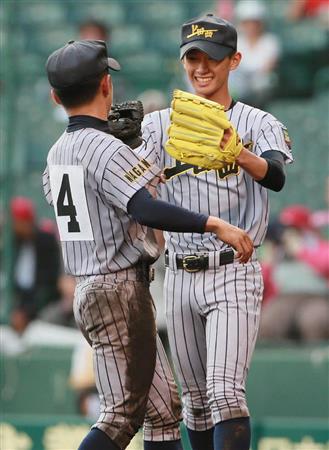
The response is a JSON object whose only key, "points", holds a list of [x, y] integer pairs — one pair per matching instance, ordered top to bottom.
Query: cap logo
{"points": [[196, 31]]}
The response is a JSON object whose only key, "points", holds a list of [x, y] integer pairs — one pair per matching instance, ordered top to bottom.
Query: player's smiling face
{"points": [[208, 76]]}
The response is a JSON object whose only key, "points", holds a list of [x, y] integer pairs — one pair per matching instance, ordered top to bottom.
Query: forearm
{"points": [[254, 165], [267, 170], [164, 216]]}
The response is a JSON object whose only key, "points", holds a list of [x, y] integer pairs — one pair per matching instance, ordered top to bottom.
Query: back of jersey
{"points": [[89, 179]]}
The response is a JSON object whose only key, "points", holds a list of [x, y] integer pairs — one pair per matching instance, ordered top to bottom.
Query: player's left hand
{"points": [[125, 120], [200, 132], [226, 137], [232, 235], [240, 241]]}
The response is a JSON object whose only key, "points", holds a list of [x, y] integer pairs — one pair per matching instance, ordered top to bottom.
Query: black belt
{"points": [[194, 263]]}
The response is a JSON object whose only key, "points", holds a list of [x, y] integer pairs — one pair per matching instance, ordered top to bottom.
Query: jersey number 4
{"points": [[68, 191], [69, 209]]}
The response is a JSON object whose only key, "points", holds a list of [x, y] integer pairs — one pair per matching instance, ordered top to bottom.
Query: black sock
{"points": [[233, 434], [97, 439], [201, 440], [163, 445]]}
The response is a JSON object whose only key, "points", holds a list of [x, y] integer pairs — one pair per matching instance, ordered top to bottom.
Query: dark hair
{"points": [[232, 52], [79, 94]]}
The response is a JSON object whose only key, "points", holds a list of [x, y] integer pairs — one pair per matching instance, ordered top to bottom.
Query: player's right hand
{"points": [[233, 236]]}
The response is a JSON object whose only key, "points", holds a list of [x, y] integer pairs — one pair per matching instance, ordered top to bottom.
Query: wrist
{"points": [[241, 159], [254, 165], [214, 224]]}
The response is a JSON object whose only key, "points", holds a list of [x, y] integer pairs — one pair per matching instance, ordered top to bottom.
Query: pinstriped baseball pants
{"points": [[213, 319], [132, 373]]}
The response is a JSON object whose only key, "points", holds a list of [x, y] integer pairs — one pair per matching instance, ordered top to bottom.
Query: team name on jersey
{"points": [[180, 168], [137, 171], [225, 172]]}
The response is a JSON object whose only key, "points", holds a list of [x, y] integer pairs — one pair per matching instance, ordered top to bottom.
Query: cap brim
{"points": [[212, 49], [113, 64]]}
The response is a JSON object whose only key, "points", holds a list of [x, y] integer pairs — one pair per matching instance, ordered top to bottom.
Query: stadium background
{"points": [[288, 383]]}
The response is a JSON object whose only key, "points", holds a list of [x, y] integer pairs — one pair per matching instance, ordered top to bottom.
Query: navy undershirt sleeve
{"points": [[275, 176], [161, 215]]}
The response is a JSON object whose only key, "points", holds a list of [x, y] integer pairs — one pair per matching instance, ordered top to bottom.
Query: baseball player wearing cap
{"points": [[96, 185], [212, 300]]}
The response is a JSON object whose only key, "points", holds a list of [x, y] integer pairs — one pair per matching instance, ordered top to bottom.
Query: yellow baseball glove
{"points": [[200, 132]]}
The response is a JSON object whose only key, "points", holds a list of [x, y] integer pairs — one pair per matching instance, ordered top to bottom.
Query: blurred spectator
{"points": [[225, 9], [303, 9], [93, 29], [254, 80], [320, 218], [48, 226], [303, 242], [36, 264], [300, 273], [61, 311], [297, 316], [20, 318]]}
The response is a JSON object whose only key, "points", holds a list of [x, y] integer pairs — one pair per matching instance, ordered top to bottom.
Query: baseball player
{"points": [[97, 186], [212, 299]]}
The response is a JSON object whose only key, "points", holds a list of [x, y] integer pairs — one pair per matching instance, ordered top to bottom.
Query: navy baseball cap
{"points": [[210, 34], [78, 62]]}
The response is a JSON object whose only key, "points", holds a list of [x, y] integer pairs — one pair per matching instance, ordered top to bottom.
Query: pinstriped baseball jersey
{"points": [[89, 179], [229, 193], [213, 315]]}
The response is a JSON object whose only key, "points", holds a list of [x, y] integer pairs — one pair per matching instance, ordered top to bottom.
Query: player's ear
{"points": [[235, 60], [106, 85], [55, 97]]}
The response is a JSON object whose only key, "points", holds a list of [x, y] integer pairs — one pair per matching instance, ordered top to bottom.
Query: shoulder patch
{"points": [[286, 136]]}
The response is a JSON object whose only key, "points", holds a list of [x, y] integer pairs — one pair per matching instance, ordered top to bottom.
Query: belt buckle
{"points": [[190, 259]]}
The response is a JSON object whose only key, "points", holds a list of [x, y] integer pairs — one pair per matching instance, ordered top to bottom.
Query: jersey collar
{"points": [[233, 103], [80, 122]]}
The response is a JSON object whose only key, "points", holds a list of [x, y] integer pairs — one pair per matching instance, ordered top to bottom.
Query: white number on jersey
{"points": [[70, 203]]}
